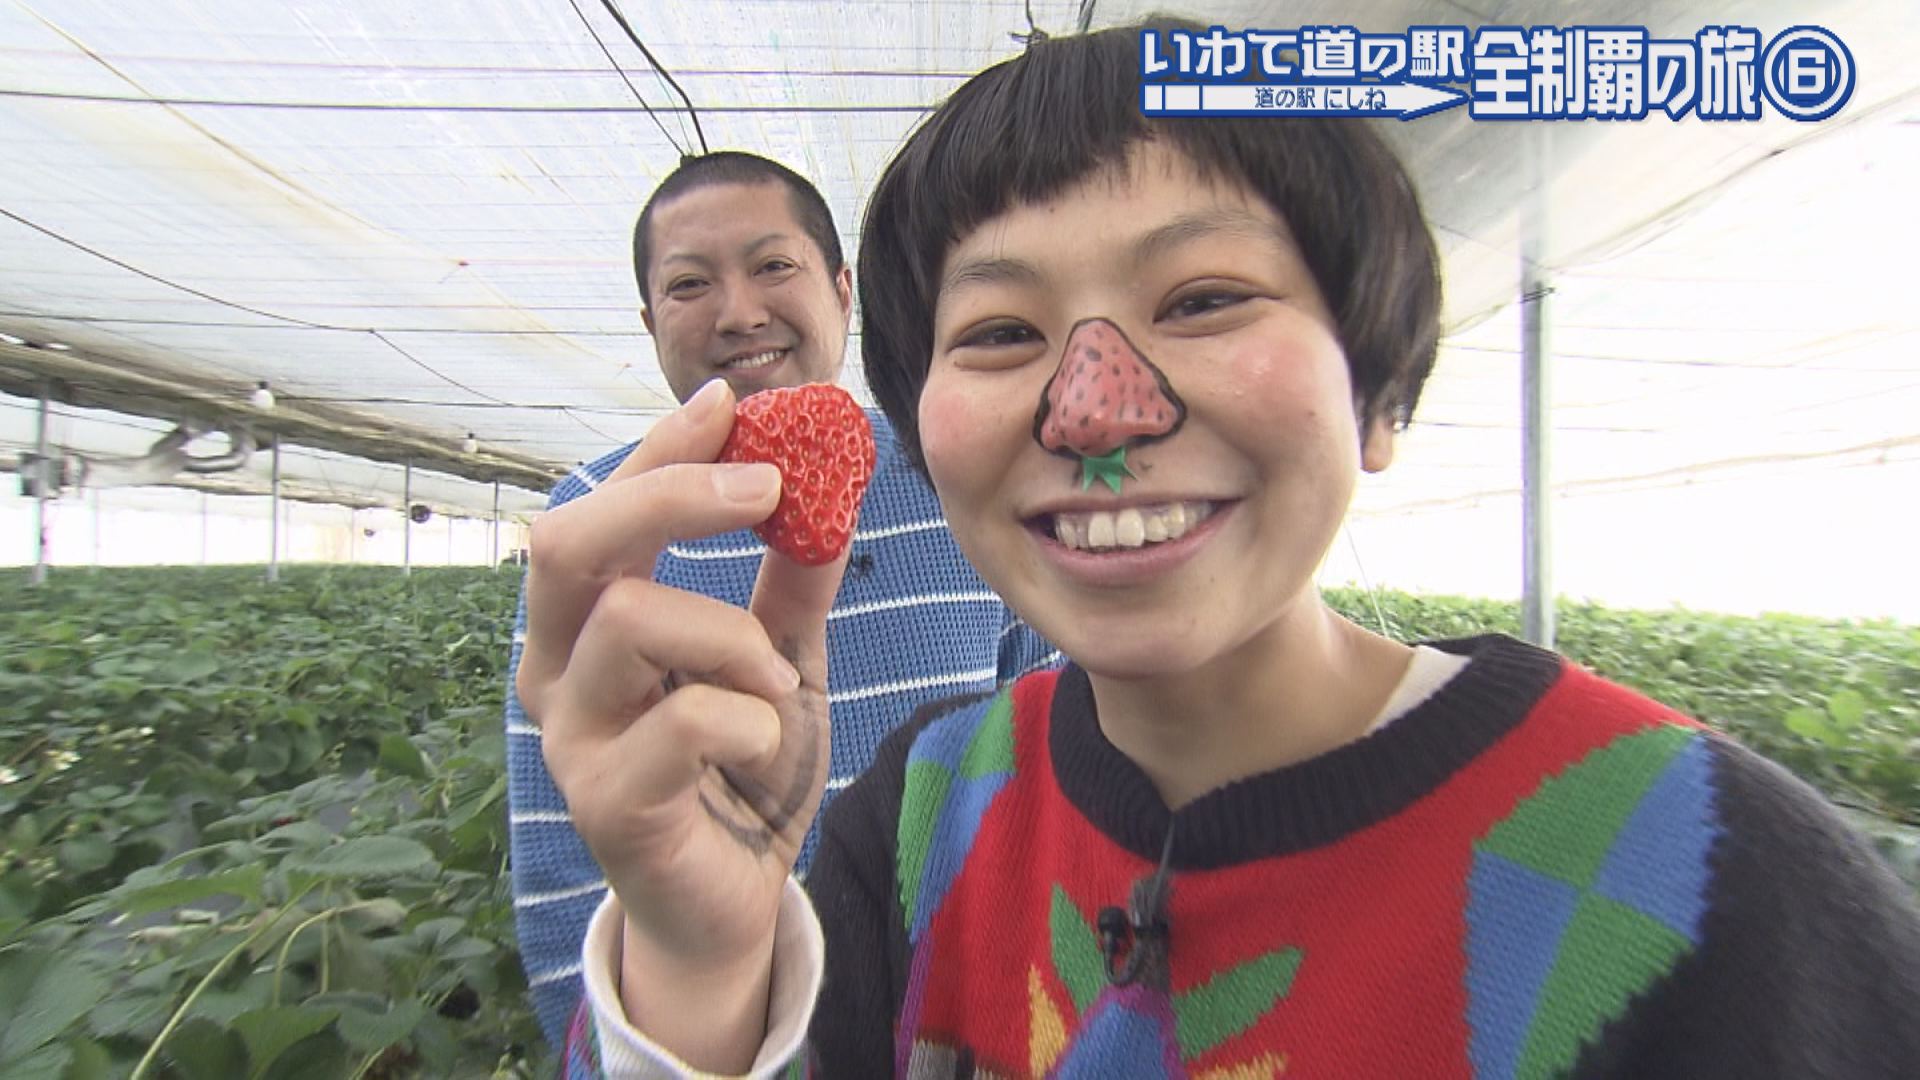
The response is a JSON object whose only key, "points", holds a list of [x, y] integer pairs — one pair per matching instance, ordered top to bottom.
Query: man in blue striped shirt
{"points": [[742, 279]]}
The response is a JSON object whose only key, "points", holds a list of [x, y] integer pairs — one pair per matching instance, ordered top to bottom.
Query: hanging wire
{"points": [[588, 23], [1034, 34], [658, 67], [497, 108], [70, 242], [438, 331], [435, 372], [1373, 594]]}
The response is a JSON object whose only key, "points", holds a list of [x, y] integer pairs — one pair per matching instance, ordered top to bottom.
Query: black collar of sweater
{"points": [[1313, 802]]}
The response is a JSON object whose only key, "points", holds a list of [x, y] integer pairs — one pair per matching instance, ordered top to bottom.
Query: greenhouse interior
{"points": [[307, 307]]}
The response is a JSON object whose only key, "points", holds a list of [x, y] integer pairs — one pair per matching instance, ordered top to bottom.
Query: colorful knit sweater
{"points": [[912, 623], [1533, 873]]}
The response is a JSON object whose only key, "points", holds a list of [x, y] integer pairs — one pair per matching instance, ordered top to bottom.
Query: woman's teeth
{"points": [[756, 360], [1132, 527]]}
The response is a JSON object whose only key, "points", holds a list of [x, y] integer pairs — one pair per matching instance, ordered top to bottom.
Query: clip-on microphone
{"points": [[1143, 928]]}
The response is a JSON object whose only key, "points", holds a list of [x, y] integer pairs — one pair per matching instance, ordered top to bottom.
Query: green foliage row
{"points": [[1836, 702], [257, 831], [260, 831]]}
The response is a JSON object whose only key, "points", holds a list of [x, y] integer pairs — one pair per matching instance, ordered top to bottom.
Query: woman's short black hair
{"points": [[1027, 129]]}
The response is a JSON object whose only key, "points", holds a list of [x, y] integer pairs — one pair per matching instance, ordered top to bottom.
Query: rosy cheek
{"points": [[1265, 373], [1289, 378], [948, 426]]}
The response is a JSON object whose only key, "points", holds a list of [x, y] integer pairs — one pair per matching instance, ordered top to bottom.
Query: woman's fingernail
{"points": [[702, 404], [746, 483], [787, 674]]}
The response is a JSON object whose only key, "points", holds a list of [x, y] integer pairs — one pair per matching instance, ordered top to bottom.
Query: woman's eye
{"points": [[776, 266], [685, 286], [1200, 303], [998, 335]]}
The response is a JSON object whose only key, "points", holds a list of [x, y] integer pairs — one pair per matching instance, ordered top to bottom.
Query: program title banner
{"points": [[1729, 73]]}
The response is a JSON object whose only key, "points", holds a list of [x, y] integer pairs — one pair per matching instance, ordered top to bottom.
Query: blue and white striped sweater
{"points": [[912, 623]]}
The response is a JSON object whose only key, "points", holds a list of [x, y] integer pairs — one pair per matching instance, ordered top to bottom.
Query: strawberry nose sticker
{"points": [[1103, 398]]}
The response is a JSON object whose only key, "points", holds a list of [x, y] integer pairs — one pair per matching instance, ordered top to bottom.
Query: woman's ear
{"points": [[1376, 444]]}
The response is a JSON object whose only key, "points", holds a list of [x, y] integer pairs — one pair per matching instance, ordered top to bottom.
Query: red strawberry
{"points": [[820, 439]]}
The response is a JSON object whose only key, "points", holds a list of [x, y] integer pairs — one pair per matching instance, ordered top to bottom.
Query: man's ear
{"points": [[843, 289], [646, 318], [1376, 444]]}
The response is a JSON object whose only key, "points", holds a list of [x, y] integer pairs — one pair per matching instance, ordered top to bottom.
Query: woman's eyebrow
{"points": [[1162, 240], [1154, 244], [990, 271]]}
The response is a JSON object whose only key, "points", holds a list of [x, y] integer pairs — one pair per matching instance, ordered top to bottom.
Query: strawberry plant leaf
{"points": [[191, 668], [1847, 708], [1812, 724], [270, 753], [399, 756], [468, 809], [294, 834], [84, 854], [366, 857], [243, 882], [19, 894], [376, 914], [61, 993], [224, 1004], [138, 1015], [367, 1030], [269, 1032], [434, 1041], [203, 1048], [321, 1056], [91, 1061], [46, 1063]]}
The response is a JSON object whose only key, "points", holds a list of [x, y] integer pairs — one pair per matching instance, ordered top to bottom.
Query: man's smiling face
{"points": [[737, 289]]}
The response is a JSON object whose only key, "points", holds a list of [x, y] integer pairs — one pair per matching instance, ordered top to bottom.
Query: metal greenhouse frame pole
{"points": [[40, 493], [406, 522], [496, 526], [273, 557], [1536, 604]]}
